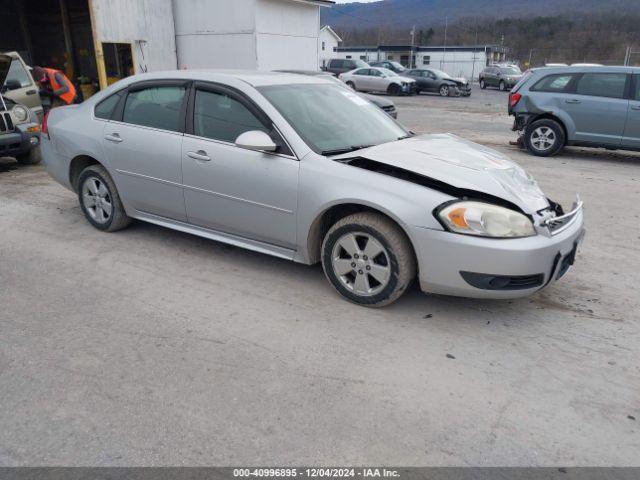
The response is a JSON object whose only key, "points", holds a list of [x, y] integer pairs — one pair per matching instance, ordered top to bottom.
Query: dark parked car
{"points": [[342, 65], [390, 65], [504, 77], [437, 81], [384, 103], [585, 106]]}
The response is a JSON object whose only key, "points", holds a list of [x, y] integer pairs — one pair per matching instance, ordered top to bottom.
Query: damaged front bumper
{"points": [[22, 139], [478, 267]]}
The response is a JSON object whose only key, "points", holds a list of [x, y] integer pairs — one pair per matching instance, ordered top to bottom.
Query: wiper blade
{"points": [[338, 151]]}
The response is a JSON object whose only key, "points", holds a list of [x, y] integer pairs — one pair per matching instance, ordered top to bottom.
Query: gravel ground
{"points": [[154, 347]]}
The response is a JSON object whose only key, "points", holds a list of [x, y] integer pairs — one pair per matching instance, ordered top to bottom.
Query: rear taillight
{"points": [[514, 98], [45, 127]]}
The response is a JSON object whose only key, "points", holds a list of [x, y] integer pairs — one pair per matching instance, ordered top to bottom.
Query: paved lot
{"points": [[153, 347]]}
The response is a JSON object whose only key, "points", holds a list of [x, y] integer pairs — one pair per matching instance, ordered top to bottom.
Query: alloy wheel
{"points": [[543, 138], [97, 199], [361, 263]]}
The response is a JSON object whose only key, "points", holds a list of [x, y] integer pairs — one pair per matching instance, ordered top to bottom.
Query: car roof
{"points": [[578, 69], [254, 78]]}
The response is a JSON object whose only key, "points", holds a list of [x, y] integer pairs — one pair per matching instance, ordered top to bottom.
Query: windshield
{"points": [[361, 64], [398, 66], [511, 70], [387, 72], [441, 74], [332, 119]]}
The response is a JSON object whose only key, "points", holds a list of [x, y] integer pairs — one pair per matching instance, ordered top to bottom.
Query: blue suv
{"points": [[583, 106]]}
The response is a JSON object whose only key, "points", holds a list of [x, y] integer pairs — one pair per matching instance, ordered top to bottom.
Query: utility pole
{"points": [[413, 41], [444, 48], [530, 55], [626, 56]]}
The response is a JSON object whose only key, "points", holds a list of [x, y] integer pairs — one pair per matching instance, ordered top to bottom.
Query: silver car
{"points": [[376, 79], [303, 169]]}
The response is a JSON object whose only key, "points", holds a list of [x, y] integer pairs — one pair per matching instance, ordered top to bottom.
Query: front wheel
{"points": [[351, 85], [483, 85], [502, 86], [394, 89], [444, 90], [544, 138], [32, 157], [100, 201], [368, 259]]}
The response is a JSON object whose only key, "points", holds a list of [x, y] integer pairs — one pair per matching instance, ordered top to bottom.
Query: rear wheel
{"points": [[483, 85], [502, 86], [394, 89], [544, 138], [32, 157], [100, 201], [368, 259]]}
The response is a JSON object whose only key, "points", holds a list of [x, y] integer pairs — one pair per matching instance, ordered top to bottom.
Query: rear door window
{"points": [[336, 63], [554, 83], [610, 85], [636, 95], [157, 107]]}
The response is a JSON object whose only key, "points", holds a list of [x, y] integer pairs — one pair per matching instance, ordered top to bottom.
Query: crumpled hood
{"points": [[5, 63], [460, 80], [461, 164]]}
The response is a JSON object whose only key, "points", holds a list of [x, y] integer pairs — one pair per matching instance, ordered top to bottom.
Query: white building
{"points": [[248, 34], [135, 36], [328, 43], [457, 61]]}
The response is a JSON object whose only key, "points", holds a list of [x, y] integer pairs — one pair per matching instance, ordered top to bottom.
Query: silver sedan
{"points": [[377, 79], [303, 169]]}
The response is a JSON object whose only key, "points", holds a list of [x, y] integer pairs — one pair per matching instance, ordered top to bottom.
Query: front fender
{"points": [[408, 204]]}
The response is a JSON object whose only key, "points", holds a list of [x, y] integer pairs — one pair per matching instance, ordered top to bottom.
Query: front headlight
{"points": [[20, 113], [485, 220]]}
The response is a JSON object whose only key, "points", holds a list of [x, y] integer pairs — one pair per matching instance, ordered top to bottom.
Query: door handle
{"points": [[31, 92], [572, 100], [635, 107], [113, 138], [199, 155]]}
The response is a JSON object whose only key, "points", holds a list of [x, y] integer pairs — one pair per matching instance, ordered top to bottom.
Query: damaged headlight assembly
{"points": [[484, 220]]}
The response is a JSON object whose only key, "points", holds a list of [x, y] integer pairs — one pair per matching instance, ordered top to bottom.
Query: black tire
{"points": [[351, 85], [483, 85], [502, 86], [394, 89], [444, 90], [418, 91], [532, 135], [32, 157], [118, 219], [401, 258]]}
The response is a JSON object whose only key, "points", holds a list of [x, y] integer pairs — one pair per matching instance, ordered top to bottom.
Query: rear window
{"points": [[554, 83], [611, 85], [105, 108]]}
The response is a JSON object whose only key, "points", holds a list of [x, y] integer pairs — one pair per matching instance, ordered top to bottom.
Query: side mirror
{"points": [[12, 85], [256, 140]]}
